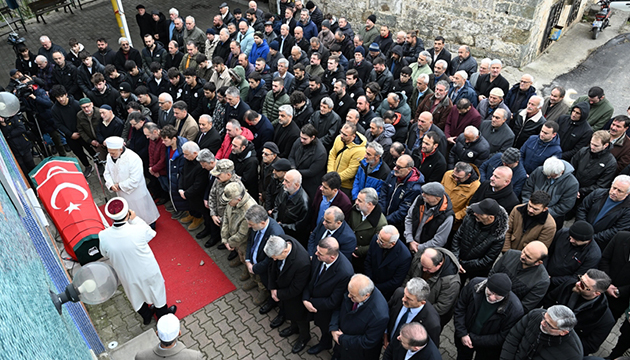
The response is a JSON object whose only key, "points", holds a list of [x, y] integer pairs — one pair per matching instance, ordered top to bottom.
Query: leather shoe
{"points": [[161, 202], [205, 232], [210, 243], [221, 246], [232, 255], [267, 307], [172, 309], [277, 321], [288, 331], [300, 344], [316, 349]]}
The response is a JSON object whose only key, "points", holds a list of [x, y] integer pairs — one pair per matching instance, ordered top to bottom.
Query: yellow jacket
{"points": [[345, 159], [460, 194]]}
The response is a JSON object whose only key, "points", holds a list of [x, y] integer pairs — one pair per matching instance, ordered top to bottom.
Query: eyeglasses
{"points": [[266, 154], [400, 167], [581, 283], [547, 325]]}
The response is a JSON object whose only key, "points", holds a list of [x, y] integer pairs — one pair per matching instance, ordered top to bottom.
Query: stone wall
{"points": [[510, 30]]}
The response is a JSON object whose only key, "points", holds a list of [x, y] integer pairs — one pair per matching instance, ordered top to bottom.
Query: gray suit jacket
{"points": [[178, 352]]}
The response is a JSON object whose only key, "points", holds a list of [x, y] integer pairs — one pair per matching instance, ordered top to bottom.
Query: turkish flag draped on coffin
{"points": [[66, 196]]}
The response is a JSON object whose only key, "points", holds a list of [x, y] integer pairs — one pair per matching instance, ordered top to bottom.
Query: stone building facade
{"points": [[514, 31]]}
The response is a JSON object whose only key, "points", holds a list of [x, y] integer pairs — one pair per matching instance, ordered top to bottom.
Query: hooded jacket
{"points": [[247, 40], [258, 51], [395, 66], [516, 100], [272, 104], [403, 109], [599, 113], [574, 135], [384, 138], [535, 151], [344, 159], [519, 175], [374, 179], [563, 190], [461, 194], [396, 195], [436, 224], [477, 246], [444, 283]]}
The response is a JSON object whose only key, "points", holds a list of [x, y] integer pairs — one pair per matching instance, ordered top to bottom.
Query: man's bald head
{"points": [[501, 177], [533, 254]]}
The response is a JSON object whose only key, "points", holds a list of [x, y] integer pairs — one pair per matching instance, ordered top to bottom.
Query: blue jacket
{"points": [[310, 30], [258, 51], [467, 92], [511, 96], [535, 151], [175, 166], [519, 175], [374, 180], [395, 199], [344, 235], [387, 273]]}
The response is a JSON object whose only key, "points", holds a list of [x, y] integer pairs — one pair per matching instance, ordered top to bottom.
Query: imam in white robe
{"points": [[127, 172], [127, 247]]}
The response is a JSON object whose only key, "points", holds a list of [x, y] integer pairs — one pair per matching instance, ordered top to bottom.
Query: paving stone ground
{"points": [[230, 327]]}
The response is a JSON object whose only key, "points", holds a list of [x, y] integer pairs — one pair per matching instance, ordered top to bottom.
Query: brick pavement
{"points": [[230, 327]]}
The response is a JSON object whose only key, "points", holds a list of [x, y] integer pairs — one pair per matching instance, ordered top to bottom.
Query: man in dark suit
{"points": [[442, 53], [236, 107], [166, 115], [208, 137], [334, 225], [261, 228], [387, 260], [616, 263], [330, 274], [288, 276], [409, 304], [358, 326], [415, 342]]}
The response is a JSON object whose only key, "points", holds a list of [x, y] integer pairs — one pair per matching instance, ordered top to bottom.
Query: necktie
{"points": [[187, 62], [201, 137], [326, 234], [255, 247], [322, 271], [355, 306], [403, 320]]}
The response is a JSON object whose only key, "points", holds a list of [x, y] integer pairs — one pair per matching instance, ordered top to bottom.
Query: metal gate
{"points": [[575, 9], [554, 16]]}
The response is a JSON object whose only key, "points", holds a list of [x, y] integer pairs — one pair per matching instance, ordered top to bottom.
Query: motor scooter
{"points": [[602, 18]]}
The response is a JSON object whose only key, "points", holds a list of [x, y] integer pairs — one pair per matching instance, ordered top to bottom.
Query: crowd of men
{"points": [[362, 182]]}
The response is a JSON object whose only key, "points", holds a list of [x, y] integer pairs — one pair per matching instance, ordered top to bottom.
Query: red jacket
{"points": [[456, 125], [226, 147], [157, 156]]}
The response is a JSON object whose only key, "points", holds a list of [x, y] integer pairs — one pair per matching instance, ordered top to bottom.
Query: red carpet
{"points": [[188, 285]]}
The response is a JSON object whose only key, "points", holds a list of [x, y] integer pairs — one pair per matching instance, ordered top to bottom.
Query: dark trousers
{"points": [[78, 146], [25, 161], [303, 329], [623, 342], [466, 353]]}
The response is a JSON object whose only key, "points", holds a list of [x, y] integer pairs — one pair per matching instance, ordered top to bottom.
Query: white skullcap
{"points": [[114, 142], [168, 327]]}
